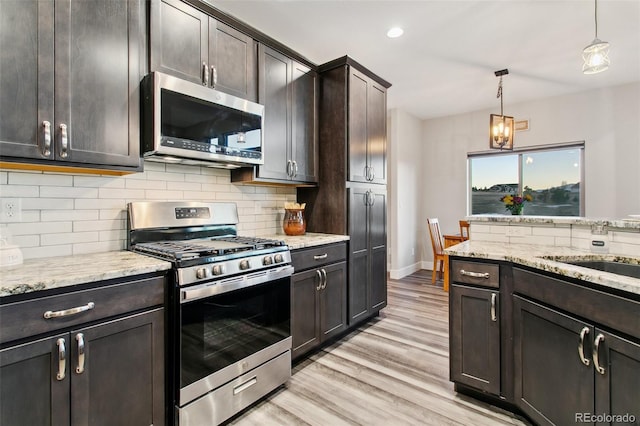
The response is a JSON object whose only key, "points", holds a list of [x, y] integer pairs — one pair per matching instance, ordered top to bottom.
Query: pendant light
{"points": [[596, 55], [501, 127]]}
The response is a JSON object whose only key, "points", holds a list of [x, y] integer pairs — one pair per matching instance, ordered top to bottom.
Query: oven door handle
{"points": [[213, 288]]}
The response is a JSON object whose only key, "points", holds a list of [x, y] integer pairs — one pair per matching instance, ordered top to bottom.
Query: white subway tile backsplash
{"points": [[65, 213], [551, 231], [562, 241]]}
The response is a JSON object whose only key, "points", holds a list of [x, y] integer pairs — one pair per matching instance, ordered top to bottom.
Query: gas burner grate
{"points": [[256, 242]]}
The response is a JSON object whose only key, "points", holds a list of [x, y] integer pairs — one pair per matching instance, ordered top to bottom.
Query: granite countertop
{"points": [[630, 223], [310, 239], [537, 256], [56, 272]]}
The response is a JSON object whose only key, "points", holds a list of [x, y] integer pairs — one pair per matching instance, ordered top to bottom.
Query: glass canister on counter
{"points": [[293, 222]]}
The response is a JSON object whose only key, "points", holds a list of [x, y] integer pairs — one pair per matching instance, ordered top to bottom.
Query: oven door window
{"points": [[223, 329]]}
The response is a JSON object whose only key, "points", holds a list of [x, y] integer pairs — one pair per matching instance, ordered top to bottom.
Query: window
{"points": [[552, 175]]}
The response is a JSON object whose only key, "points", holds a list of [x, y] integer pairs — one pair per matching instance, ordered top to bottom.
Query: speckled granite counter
{"points": [[630, 223], [309, 239], [539, 257], [56, 272]]}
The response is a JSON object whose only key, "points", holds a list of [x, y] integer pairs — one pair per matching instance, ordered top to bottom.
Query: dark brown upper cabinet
{"points": [[188, 43], [69, 78], [288, 91]]}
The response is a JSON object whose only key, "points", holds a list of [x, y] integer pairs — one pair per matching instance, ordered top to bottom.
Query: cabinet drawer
{"points": [[317, 256], [482, 274], [27, 318]]}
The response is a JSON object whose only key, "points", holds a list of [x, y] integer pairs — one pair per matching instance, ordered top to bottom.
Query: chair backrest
{"points": [[464, 230], [437, 242]]}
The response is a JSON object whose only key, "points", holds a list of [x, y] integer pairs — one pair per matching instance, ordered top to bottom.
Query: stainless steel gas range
{"points": [[229, 307]]}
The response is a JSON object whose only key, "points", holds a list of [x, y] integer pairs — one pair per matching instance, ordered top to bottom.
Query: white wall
{"points": [[607, 120], [405, 193], [64, 214]]}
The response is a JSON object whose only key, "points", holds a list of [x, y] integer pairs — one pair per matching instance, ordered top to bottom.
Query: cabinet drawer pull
{"points": [[205, 74], [214, 76], [64, 141], [46, 149], [320, 256], [484, 275], [319, 279], [324, 280], [67, 312], [494, 317], [583, 333], [80, 340], [596, 351], [62, 359], [246, 385]]}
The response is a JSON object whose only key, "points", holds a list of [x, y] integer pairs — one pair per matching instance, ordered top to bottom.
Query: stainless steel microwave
{"points": [[187, 123]]}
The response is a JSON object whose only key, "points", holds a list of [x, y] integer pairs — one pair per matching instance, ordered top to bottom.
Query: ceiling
{"points": [[444, 63]]}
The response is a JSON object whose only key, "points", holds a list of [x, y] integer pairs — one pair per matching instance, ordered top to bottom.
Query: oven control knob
{"points": [[278, 258], [267, 260], [244, 265], [217, 270], [202, 273]]}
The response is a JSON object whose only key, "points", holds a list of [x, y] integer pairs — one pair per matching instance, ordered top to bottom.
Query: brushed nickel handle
{"points": [[205, 74], [214, 76], [64, 141], [46, 149], [289, 163], [295, 168], [373, 173], [365, 198], [372, 198], [320, 256], [484, 275], [319, 280], [324, 283], [67, 312], [494, 317], [583, 334], [80, 340], [596, 351], [62, 359], [245, 385]]}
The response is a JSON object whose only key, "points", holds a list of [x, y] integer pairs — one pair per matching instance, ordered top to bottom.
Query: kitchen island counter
{"points": [[310, 239], [541, 257], [56, 272]]}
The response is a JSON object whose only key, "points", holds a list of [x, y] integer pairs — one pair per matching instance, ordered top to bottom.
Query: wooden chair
{"points": [[464, 230], [437, 243]]}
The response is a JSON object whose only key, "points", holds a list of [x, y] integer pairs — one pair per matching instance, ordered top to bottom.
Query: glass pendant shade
{"points": [[596, 57], [501, 129]]}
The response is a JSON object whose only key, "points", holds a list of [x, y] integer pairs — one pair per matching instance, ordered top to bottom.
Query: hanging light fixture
{"points": [[596, 55], [501, 127]]}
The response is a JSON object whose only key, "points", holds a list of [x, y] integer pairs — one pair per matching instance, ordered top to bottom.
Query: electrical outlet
{"points": [[11, 210]]}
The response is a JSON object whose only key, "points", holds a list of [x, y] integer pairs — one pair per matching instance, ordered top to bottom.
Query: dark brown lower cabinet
{"points": [[319, 309], [475, 337], [566, 369], [106, 374]]}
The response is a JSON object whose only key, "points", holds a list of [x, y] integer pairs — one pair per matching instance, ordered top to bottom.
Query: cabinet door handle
{"points": [[205, 74], [214, 76], [64, 141], [46, 148], [295, 168], [289, 173], [373, 173], [372, 197], [320, 256], [484, 275], [324, 281], [319, 286], [67, 312], [494, 317], [583, 333], [80, 340], [596, 351], [62, 359]]}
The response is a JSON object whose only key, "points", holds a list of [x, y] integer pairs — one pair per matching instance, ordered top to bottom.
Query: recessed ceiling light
{"points": [[395, 32]]}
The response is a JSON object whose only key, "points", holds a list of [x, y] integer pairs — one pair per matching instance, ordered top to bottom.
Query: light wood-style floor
{"points": [[394, 370]]}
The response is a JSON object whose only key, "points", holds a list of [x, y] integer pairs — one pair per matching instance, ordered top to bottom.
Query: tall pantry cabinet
{"points": [[351, 194]]}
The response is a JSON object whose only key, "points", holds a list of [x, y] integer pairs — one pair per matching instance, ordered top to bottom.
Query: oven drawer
{"points": [[318, 256], [481, 274], [27, 318], [222, 403]]}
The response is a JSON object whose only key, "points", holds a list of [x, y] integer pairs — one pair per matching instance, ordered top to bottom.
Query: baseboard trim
{"points": [[396, 274]]}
